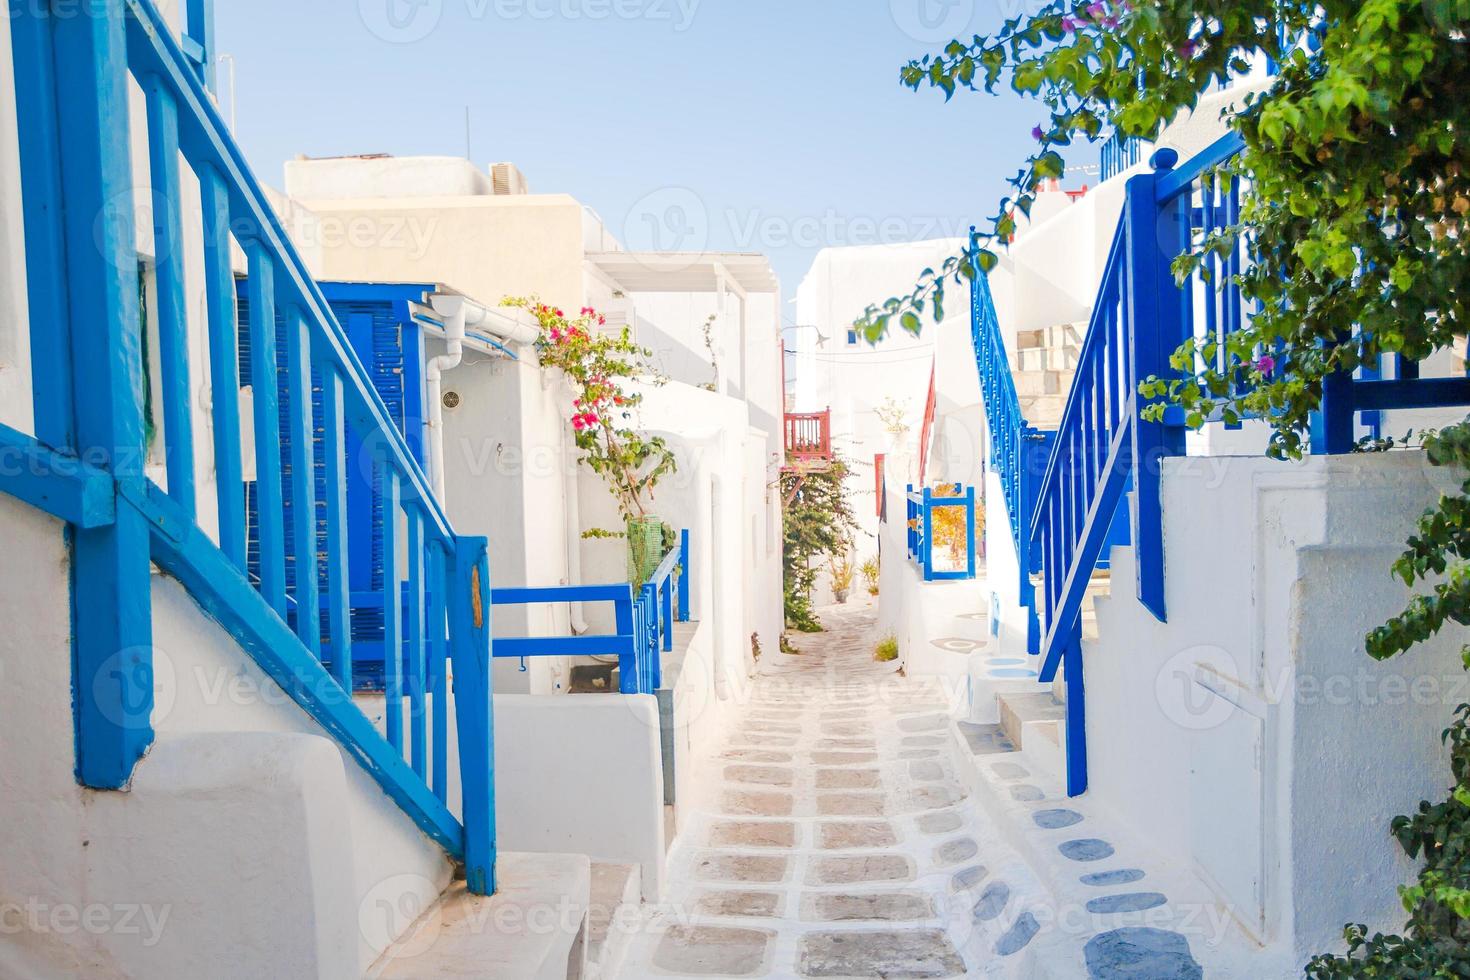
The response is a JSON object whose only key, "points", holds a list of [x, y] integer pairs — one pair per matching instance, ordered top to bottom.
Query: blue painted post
{"points": [[199, 27], [79, 216], [168, 267], [47, 286], [1155, 308], [224, 364], [263, 382], [302, 428], [1332, 430], [334, 477], [926, 531], [970, 531], [911, 535], [684, 576], [392, 608], [667, 614], [414, 627], [655, 638], [469, 644], [628, 661], [438, 669], [1076, 717]]}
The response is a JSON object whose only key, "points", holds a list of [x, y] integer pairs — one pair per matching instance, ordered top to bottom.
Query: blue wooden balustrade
{"points": [[95, 433], [1018, 450], [1104, 452], [922, 505], [644, 618]]}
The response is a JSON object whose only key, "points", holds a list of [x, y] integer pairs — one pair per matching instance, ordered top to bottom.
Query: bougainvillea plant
{"points": [[1356, 170], [597, 365]]}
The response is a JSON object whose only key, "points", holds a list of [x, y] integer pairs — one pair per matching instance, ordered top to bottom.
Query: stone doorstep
{"points": [[1036, 722], [615, 896], [464, 935]]}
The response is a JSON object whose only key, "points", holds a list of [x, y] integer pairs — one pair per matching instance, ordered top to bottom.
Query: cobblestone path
{"points": [[832, 840]]}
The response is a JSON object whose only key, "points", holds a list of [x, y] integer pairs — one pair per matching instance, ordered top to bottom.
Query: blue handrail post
{"points": [[83, 294], [1156, 311], [1332, 425], [926, 526], [970, 531], [910, 537], [684, 576], [667, 615], [656, 638], [469, 648], [627, 661], [1076, 716]]}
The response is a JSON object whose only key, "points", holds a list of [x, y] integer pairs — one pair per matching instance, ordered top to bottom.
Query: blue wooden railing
{"points": [[1119, 153], [84, 274], [1018, 450], [1104, 450], [922, 505], [644, 618]]}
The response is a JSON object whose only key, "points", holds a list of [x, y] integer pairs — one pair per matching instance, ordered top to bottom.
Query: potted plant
{"points": [[596, 366], [841, 567], [872, 571]]}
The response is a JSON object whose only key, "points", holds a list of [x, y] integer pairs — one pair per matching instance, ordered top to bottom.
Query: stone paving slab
{"points": [[834, 838], [713, 951], [890, 955]]}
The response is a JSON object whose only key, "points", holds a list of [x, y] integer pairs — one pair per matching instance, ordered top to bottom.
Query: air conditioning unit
{"points": [[507, 178]]}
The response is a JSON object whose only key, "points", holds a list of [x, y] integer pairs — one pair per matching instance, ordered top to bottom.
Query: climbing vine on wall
{"points": [[1357, 174], [818, 523]]}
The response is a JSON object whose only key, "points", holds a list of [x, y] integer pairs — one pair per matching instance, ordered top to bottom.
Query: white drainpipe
{"points": [[453, 311], [459, 314]]}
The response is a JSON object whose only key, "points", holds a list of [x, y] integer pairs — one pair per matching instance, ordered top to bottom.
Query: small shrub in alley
{"points": [[871, 571], [887, 650]]}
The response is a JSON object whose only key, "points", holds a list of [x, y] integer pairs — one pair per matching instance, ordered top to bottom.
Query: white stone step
{"points": [[1060, 335], [1047, 359], [1031, 383], [1043, 411], [1036, 721], [1032, 814], [613, 917], [535, 927]]}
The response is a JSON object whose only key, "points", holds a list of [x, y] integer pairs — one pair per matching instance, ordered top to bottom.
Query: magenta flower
{"points": [[1096, 10], [1068, 25], [1187, 49], [1037, 134], [1265, 364]]}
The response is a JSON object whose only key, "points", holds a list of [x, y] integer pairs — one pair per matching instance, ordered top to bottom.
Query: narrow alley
{"points": [[835, 838]]}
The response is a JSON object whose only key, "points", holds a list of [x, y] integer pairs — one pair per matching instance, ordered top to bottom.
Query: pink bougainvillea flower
{"points": [[1096, 10], [1068, 25], [1187, 49], [1037, 134], [601, 320], [1265, 364]]}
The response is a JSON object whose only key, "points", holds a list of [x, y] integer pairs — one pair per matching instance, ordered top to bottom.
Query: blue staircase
{"points": [[96, 426], [1065, 490]]}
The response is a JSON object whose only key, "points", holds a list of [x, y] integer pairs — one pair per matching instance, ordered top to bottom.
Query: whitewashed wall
{"points": [[1251, 738], [245, 828]]}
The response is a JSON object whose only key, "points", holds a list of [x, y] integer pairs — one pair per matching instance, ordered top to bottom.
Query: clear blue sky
{"points": [[748, 125]]}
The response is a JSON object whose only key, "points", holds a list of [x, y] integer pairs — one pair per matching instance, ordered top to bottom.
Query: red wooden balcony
{"points": [[808, 437]]}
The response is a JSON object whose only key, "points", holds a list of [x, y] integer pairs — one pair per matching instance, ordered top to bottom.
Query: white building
{"points": [[267, 806]]}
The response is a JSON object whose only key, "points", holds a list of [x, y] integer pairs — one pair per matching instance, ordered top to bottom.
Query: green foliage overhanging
{"points": [[818, 522]]}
